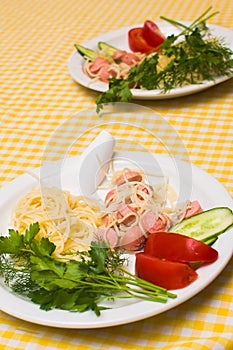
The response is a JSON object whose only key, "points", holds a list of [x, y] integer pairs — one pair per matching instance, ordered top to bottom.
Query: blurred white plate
{"points": [[119, 39], [196, 184]]}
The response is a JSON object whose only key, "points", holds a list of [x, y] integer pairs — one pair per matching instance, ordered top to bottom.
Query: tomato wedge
{"points": [[152, 34], [136, 41], [177, 247], [164, 273]]}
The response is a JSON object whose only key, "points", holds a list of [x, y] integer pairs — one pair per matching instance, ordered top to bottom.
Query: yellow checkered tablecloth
{"points": [[38, 97]]}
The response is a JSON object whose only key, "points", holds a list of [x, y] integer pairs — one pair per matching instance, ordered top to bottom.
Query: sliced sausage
{"points": [[118, 54], [125, 57], [130, 59], [97, 64], [106, 73], [128, 176], [143, 188], [110, 196], [194, 208], [126, 214], [105, 220], [152, 224], [107, 235], [133, 239]]}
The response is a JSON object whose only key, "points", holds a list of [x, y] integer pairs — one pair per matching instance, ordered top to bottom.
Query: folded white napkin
{"points": [[94, 163]]}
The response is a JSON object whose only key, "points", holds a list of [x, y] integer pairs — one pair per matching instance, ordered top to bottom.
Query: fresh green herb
{"points": [[193, 56], [29, 268]]}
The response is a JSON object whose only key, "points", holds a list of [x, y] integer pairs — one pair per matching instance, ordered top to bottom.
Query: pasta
{"points": [[118, 65], [142, 198], [134, 208], [68, 221]]}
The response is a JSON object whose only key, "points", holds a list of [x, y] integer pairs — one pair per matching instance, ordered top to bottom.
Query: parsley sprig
{"points": [[193, 54], [29, 269]]}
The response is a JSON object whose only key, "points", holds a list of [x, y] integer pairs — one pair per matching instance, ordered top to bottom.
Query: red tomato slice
{"points": [[152, 34], [136, 41], [177, 247], [164, 273]]}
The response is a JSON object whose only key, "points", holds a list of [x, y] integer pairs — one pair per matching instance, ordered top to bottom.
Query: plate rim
{"points": [[104, 320]]}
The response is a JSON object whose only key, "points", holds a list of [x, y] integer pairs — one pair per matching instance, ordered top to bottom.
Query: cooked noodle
{"points": [[118, 70], [142, 197], [68, 221]]}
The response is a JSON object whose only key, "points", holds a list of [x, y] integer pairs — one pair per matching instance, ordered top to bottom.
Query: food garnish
{"points": [[152, 34], [145, 39], [192, 56], [107, 62], [135, 207], [136, 216], [68, 221], [207, 225], [176, 247], [170, 259], [29, 269], [166, 273]]}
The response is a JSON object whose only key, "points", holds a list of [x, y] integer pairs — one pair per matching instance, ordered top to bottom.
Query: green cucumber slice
{"points": [[107, 48], [85, 52], [207, 225]]}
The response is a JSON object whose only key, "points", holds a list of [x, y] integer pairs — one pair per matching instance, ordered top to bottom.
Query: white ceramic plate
{"points": [[118, 38], [202, 186]]}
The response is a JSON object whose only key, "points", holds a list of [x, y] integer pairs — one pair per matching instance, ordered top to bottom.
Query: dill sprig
{"points": [[193, 56], [29, 269], [16, 274]]}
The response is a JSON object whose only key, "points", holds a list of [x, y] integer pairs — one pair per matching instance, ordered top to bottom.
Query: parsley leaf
{"points": [[31, 232], [12, 244], [29, 268]]}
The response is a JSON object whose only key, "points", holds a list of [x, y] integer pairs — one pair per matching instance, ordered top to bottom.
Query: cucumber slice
{"points": [[108, 49], [85, 52], [207, 225], [210, 240]]}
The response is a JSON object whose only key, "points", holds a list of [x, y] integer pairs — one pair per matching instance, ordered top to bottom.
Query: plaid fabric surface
{"points": [[39, 102]]}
